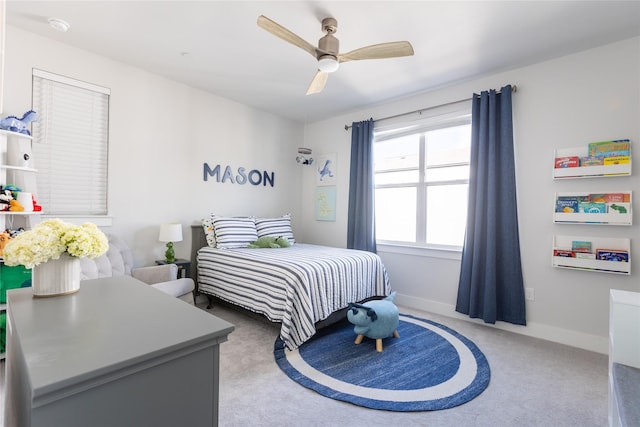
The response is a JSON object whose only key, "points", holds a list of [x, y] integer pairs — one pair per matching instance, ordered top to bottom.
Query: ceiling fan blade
{"points": [[286, 35], [378, 51], [318, 82]]}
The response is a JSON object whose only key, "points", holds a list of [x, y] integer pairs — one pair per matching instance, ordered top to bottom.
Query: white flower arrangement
{"points": [[50, 239]]}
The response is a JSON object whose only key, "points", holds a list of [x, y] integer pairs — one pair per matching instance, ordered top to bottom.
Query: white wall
{"points": [[567, 102], [160, 134]]}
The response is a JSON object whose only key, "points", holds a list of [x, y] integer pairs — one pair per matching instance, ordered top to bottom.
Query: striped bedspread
{"points": [[297, 286]]}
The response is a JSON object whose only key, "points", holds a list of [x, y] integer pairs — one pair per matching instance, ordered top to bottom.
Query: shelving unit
{"points": [[15, 168], [588, 171], [17, 174], [612, 217], [600, 266]]}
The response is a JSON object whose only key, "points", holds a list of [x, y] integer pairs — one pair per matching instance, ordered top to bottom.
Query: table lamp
{"points": [[170, 233]]}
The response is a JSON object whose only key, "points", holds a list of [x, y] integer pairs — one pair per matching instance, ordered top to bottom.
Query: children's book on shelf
{"points": [[617, 147], [616, 160], [592, 161], [567, 162], [610, 198], [569, 204], [566, 206], [592, 208], [621, 208], [581, 246], [565, 253], [585, 255], [612, 255]]}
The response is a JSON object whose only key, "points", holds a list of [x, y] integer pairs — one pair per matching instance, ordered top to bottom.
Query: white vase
{"points": [[56, 277]]}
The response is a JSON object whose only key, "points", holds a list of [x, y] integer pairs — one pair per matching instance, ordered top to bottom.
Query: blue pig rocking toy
{"points": [[376, 320]]}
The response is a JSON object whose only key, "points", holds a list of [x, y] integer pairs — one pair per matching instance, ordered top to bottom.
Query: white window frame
{"points": [[65, 104], [449, 115]]}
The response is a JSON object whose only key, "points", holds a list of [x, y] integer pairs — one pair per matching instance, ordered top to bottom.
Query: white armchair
{"points": [[118, 261], [164, 278]]}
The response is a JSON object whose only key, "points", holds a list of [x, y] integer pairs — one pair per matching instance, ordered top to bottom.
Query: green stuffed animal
{"points": [[270, 242], [283, 242]]}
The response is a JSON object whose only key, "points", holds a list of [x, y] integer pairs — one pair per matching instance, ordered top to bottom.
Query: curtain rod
{"points": [[514, 88]]}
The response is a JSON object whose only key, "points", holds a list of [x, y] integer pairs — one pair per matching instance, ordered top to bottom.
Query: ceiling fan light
{"points": [[328, 64]]}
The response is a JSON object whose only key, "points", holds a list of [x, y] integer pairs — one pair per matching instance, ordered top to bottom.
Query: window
{"points": [[70, 145], [422, 178]]}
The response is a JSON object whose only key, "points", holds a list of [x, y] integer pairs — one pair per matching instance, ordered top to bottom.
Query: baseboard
{"points": [[536, 330]]}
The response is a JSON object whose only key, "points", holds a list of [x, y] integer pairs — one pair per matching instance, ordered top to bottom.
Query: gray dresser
{"points": [[117, 353]]}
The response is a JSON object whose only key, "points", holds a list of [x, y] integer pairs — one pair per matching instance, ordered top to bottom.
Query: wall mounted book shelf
{"points": [[568, 165], [596, 208], [601, 258]]}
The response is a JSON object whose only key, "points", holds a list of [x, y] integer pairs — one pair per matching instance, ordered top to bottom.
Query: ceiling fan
{"points": [[327, 52]]}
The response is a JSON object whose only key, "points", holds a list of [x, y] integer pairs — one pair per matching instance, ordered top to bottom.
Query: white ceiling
{"points": [[230, 56]]}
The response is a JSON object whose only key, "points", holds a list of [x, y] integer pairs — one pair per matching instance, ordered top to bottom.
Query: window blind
{"points": [[71, 141]]}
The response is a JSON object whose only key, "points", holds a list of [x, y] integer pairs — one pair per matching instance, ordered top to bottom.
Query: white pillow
{"points": [[275, 227], [209, 232], [234, 232]]}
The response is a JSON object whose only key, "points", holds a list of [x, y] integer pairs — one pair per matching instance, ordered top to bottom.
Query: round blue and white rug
{"points": [[429, 367]]}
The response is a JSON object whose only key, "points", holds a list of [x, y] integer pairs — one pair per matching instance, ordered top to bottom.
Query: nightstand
{"points": [[184, 266]]}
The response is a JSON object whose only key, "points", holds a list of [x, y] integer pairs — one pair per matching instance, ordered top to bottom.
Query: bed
{"points": [[300, 287]]}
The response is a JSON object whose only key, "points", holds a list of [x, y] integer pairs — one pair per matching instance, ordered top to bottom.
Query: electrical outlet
{"points": [[529, 294]]}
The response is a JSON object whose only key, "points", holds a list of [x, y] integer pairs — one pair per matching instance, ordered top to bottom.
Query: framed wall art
{"points": [[326, 168], [325, 203]]}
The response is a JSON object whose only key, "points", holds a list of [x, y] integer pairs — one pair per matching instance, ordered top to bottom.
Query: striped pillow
{"points": [[276, 227], [234, 232]]}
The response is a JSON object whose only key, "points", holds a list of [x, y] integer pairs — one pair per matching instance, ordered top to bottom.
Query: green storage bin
{"points": [[12, 278]]}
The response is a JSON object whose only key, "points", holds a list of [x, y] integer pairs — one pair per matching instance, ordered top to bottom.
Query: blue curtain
{"points": [[361, 232], [491, 285]]}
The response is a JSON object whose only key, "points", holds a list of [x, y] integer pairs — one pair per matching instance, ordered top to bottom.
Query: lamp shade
{"points": [[171, 232]]}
